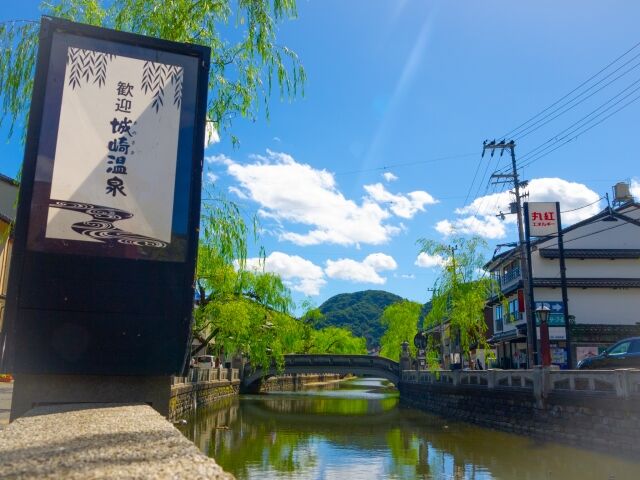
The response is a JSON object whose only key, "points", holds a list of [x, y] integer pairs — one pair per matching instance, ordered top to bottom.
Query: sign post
{"points": [[544, 220], [101, 283]]}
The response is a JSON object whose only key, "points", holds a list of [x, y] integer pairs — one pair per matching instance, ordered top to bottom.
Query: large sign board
{"points": [[542, 219], [106, 235]]}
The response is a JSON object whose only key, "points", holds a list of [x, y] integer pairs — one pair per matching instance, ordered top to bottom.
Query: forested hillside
{"points": [[360, 312]]}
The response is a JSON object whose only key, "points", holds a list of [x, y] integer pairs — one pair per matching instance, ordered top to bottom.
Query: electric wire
{"points": [[579, 124], [529, 130], [511, 133], [544, 152], [407, 164]]}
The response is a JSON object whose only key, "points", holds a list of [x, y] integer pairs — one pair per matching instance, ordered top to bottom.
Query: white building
{"points": [[603, 278]]}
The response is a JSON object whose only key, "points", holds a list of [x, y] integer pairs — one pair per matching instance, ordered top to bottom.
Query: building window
{"points": [[513, 310]]}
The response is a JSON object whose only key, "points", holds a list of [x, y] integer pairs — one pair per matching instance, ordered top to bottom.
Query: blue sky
{"points": [[411, 89]]}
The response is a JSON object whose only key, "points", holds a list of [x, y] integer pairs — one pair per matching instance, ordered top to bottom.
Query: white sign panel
{"points": [[115, 159], [542, 219]]}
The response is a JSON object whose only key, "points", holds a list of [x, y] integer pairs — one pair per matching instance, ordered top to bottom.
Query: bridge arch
{"points": [[360, 365]]}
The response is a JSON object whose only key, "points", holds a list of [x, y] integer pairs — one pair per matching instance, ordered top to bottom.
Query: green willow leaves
{"points": [[246, 60], [460, 292], [401, 324]]}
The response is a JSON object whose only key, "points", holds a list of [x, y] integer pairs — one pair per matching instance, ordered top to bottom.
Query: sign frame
{"points": [[547, 225], [81, 313]]}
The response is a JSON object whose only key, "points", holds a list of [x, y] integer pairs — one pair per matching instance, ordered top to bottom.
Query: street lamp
{"points": [[542, 313], [420, 342]]}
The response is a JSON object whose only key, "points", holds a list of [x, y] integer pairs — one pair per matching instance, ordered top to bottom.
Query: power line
{"points": [[529, 130], [511, 133], [546, 147], [544, 154], [407, 164], [583, 206], [621, 224]]}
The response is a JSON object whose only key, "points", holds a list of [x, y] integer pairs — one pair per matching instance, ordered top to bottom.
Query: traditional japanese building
{"points": [[8, 202], [603, 284]]}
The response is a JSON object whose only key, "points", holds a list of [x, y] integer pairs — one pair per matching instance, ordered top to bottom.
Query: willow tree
{"points": [[246, 60], [461, 291], [241, 311], [401, 324], [319, 338]]}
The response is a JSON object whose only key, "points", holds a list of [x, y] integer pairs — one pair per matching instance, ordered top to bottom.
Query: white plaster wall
{"points": [[589, 268], [597, 305]]}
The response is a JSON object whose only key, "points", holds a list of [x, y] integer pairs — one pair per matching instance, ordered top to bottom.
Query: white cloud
{"points": [[211, 135], [220, 159], [212, 177], [389, 177], [635, 189], [295, 192], [405, 206], [479, 217], [488, 227], [425, 260], [380, 262], [365, 271], [298, 273], [406, 276]]}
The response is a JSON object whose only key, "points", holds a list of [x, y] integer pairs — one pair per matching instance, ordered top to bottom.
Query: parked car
{"points": [[624, 354], [206, 361]]}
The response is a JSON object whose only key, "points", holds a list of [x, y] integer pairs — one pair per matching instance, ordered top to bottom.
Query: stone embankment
{"points": [[295, 382], [204, 386], [201, 388], [597, 409], [100, 441]]}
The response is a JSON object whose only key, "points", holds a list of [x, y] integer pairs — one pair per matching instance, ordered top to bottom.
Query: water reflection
{"points": [[357, 430]]}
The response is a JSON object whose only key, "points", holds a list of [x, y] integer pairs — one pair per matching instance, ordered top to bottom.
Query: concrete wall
{"points": [[599, 305], [599, 419]]}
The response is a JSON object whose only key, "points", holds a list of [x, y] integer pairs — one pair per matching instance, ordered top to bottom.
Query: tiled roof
{"points": [[618, 213], [606, 253], [589, 282]]}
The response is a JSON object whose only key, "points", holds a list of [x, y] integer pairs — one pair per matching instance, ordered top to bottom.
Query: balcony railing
{"points": [[510, 277], [513, 317]]}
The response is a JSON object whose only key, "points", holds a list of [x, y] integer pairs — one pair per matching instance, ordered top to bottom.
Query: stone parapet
{"points": [[589, 409], [100, 441]]}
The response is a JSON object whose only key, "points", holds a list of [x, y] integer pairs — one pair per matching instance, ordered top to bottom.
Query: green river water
{"points": [[357, 430]]}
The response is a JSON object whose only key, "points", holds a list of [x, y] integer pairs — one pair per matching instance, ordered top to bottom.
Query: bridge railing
{"points": [[201, 375], [541, 382]]}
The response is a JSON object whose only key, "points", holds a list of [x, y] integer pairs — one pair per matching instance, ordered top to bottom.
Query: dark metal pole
{"points": [[526, 280], [563, 284], [532, 301]]}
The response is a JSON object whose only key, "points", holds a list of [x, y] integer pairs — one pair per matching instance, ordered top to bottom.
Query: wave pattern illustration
{"points": [[101, 226]]}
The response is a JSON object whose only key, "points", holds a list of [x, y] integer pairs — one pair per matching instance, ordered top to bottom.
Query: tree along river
{"points": [[357, 430]]}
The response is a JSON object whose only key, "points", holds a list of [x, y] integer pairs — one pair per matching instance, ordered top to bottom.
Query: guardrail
{"points": [[200, 375], [540, 381]]}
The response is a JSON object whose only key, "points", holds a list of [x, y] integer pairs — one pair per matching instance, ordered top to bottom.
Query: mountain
{"points": [[360, 312]]}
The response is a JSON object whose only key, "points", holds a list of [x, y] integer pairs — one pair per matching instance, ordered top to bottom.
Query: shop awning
{"points": [[507, 336]]}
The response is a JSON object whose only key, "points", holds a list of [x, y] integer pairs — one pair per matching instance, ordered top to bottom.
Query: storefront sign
{"points": [[542, 219], [106, 231], [556, 314], [555, 333]]}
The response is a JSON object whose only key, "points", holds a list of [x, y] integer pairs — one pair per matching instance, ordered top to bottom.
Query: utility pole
{"points": [[524, 264], [433, 290]]}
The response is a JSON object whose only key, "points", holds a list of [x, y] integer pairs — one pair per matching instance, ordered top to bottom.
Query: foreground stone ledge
{"points": [[93, 441]]}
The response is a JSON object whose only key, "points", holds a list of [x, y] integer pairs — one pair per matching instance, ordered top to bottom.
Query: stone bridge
{"points": [[361, 365]]}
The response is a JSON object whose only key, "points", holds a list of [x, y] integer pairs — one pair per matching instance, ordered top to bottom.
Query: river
{"points": [[357, 430]]}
